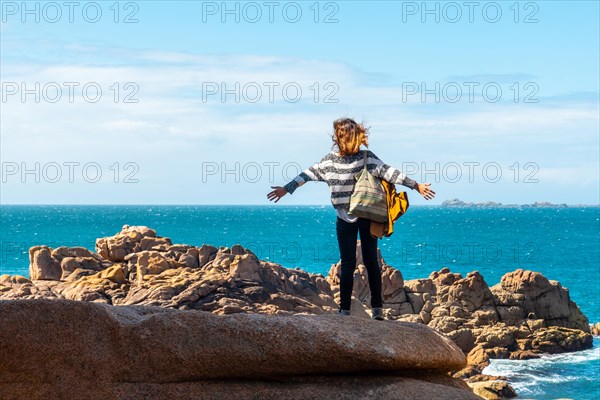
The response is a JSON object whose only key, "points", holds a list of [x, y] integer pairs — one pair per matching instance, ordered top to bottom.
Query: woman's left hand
{"points": [[425, 191], [277, 194]]}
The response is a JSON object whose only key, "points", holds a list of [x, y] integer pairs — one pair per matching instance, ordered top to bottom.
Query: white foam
{"points": [[528, 377]]}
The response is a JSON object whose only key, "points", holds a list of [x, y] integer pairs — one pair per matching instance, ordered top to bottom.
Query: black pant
{"points": [[347, 235]]}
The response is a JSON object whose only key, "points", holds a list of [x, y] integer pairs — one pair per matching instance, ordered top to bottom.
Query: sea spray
{"points": [[567, 375]]}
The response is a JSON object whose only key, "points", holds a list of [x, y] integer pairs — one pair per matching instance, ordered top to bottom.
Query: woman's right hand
{"points": [[423, 189], [277, 194]]}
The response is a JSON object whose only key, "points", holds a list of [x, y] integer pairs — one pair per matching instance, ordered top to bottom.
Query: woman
{"points": [[338, 169]]}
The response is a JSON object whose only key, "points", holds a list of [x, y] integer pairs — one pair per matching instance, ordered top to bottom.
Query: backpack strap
{"points": [[365, 160]]}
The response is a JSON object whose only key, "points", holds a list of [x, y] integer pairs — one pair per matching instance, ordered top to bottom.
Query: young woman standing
{"points": [[337, 169]]}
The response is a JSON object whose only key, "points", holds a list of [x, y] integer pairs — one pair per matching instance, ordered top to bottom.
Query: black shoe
{"points": [[377, 313]]}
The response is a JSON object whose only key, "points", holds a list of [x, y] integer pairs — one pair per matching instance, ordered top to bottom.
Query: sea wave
{"points": [[567, 376]]}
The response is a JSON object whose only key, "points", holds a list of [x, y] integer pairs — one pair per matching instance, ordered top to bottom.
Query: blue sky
{"points": [[180, 143]]}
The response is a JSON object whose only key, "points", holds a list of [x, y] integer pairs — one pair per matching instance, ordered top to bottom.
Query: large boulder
{"points": [[131, 239], [48, 264], [471, 292], [540, 298], [595, 329], [558, 340], [78, 348], [426, 386], [493, 390]]}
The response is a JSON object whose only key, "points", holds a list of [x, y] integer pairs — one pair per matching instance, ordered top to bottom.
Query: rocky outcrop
{"points": [[131, 239], [60, 263], [142, 268], [225, 281], [529, 294], [521, 317], [497, 322], [595, 329], [58, 349], [493, 390]]}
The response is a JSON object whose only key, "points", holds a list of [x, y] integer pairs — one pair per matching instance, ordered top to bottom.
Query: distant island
{"points": [[491, 204]]}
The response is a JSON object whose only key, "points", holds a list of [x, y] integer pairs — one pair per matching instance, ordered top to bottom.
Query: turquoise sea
{"points": [[561, 243]]}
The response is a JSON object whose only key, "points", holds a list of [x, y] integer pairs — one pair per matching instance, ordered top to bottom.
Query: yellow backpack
{"points": [[397, 204]]}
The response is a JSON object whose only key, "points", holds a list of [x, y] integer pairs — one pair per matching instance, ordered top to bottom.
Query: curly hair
{"points": [[348, 135]]}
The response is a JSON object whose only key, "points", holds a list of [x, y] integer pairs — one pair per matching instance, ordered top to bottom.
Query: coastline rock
{"points": [[131, 239], [149, 262], [57, 264], [141, 268], [234, 280], [105, 286], [419, 286], [19, 287], [471, 292], [541, 298], [521, 317], [595, 329], [464, 338], [559, 340], [87, 345], [524, 355], [493, 390]]}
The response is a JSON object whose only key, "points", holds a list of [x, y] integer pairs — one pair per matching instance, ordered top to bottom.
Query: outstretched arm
{"points": [[313, 173], [393, 175]]}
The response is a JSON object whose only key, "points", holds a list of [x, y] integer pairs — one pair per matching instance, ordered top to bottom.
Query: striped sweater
{"points": [[339, 173]]}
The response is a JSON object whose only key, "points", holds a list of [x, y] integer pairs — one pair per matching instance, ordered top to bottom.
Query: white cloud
{"points": [[127, 125], [172, 126]]}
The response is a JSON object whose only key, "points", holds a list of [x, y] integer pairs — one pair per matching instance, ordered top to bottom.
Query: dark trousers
{"points": [[347, 234]]}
